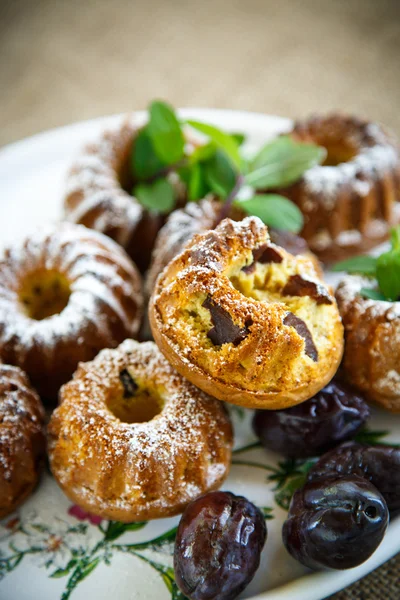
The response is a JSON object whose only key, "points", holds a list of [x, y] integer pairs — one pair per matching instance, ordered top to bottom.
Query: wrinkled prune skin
{"points": [[332, 416], [378, 464], [335, 523], [218, 546]]}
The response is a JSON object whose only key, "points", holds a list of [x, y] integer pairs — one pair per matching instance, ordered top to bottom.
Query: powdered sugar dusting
{"points": [[325, 182], [104, 305], [21, 430], [150, 468]]}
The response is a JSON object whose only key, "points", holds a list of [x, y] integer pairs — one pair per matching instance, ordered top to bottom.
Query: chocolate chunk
{"points": [[289, 241], [263, 254], [297, 286], [298, 324], [224, 331], [129, 384]]}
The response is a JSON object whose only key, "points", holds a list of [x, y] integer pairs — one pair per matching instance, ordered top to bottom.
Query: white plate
{"points": [[47, 553]]}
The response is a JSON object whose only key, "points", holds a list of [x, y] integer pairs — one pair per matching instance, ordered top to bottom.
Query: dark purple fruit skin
{"points": [[333, 415], [378, 464], [335, 523], [218, 546]]}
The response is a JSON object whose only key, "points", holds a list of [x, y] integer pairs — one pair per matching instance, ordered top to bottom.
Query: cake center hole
{"points": [[337, 154], [44, 293], [135, 402]]}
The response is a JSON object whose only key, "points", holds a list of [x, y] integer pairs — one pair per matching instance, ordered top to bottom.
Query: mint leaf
{"points": [[165, 132], [239, 138], [222, 140], [273, 151], [202, 153], [144, 160], [282, 162], [220, 174], [197, 184], [157, 197], [274, 210], [395, 238], [362, 265], [388, 274], [372, 294]]}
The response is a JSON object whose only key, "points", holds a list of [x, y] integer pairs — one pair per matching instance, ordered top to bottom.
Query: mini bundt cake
{"points": [[99, 195], [351, 201], [199, 217], [65, 293], [246, 321], [372, 342], [22, 438], [133, 440]]}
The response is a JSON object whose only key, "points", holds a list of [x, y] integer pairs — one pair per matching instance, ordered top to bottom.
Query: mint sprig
{"points": [[165, 132], [282, 162], [216, 166], [275, 210], [385, 269]]}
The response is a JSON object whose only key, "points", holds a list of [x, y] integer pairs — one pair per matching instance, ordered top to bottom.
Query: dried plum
{"points": [[333, 415], [378, 464], [335, 523], [218, 546]]}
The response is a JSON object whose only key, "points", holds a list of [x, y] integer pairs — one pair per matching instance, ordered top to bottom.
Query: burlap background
{"points": [[67, 60]]}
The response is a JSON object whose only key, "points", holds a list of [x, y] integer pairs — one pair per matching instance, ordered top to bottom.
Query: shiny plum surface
{"points": [[332, 416], [378, 464], [335, 523], [218, 546]]}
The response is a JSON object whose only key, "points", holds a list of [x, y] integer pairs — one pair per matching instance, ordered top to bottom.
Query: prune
{"points": [[333, 415], [378, 464], [335, 523], [218, 546]]}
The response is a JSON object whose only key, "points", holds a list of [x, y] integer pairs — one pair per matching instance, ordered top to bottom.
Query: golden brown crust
{"points": [[98, 194], [348, 207], [199, 217], [103, 302], [372, 343], [266, 363], [22, 438], [135, 471]]}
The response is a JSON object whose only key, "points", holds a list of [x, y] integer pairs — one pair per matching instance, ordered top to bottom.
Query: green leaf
{"points": [[165, 132], [239, 138], [222, 140], [273, 151], [202, 153], [144, 160], [282, 162], [220, 174], [197, 183], [157, 197], [274, 210], [395, 238], [362, 265], [388, 274], [371, 294], [370, 437], [373, 438], [291, 476], [283, 496], [267, 512], [116, 528], [154, 544], [87, 569], [62, 572]]}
